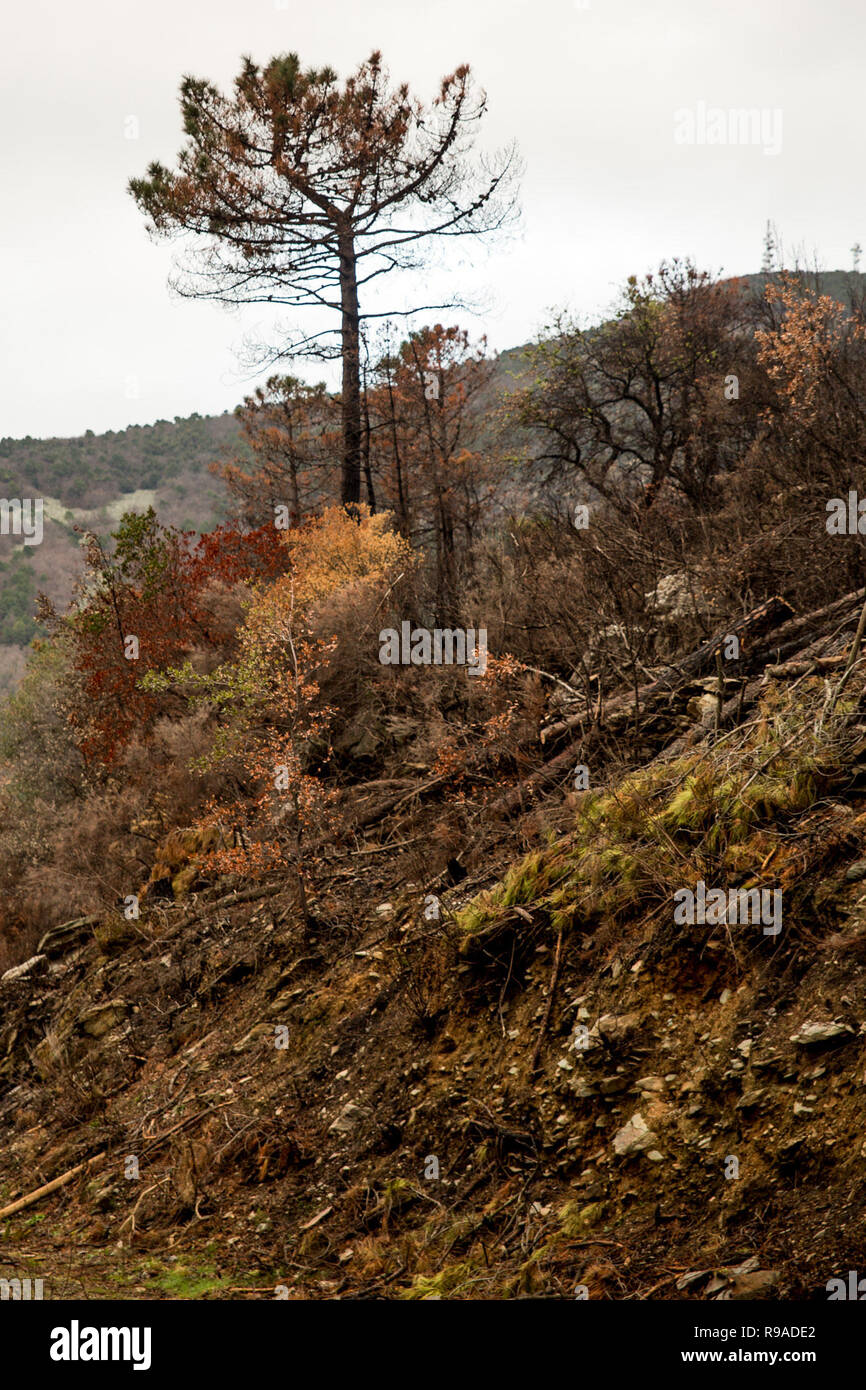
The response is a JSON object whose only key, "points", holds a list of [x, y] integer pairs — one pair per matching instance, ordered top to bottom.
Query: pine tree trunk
{"points": [[351, 393], [294, 491]]}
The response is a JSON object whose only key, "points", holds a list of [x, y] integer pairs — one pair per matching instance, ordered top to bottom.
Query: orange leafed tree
{"points": [[815, 357], [291, 435], [434, 475], [273, 726]]}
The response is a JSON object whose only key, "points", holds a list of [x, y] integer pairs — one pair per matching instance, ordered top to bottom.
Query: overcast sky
{"points": [[603, 97]]}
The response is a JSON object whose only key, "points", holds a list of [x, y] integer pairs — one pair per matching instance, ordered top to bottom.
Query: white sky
{"points": [[588, 89]]}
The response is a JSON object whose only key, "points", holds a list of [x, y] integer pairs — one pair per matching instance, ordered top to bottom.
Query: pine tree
{"points": [[304, 191]]}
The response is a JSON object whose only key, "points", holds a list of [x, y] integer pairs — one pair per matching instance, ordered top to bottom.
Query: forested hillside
{"points": [[93, 470]]}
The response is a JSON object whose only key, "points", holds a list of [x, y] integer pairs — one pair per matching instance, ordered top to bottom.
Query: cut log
{"points": [[764, 618], [812, 622], [808, 667], [47, 1188]]}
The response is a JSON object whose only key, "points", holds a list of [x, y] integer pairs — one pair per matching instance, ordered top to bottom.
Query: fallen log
{"points": [[767, 615], [808, 622], [790, 636], [811, 666], [526, 790], [47, 1188]]}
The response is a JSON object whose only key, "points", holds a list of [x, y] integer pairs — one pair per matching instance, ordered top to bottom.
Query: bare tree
{"points": [[637, 406]]}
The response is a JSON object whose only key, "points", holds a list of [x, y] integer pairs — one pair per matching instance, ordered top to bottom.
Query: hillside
{"points": [[93, 470], [89, 482], [465, 899], [542, 1091]]}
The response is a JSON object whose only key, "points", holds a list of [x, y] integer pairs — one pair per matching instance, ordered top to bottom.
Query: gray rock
{"points": [[618, 1028], [820, 1034], [613, 1085], [750, 1099], [348, 1119], [693, 1277], [757, 1283]]}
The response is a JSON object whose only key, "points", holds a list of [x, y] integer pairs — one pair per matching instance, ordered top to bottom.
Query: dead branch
{"points": [[551, 990]]}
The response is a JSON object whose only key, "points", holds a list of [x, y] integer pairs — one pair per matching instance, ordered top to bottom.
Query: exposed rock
{"points": [[677, 597], [358, 740], [99, 1019], [617, 1029], [822, 1034], [613, 1085], [750, 1099], [348, 1119], [634, 1137], [756, 1283]]}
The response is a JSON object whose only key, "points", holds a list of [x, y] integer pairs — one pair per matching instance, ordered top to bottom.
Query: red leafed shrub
{"points": [[145, 606]]}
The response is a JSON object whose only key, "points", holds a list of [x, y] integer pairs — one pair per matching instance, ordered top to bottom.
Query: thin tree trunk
{"points": [[351, 393], [438, 457], [368, 472], [294, 492], [402, 500]]}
